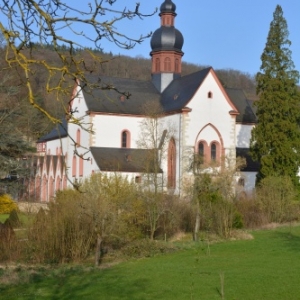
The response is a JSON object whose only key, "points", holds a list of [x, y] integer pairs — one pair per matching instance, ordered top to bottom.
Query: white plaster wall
{"points": [[214, 111], [80, 114], [108, 130], [243, 135], [54, 145], [250, 178]]}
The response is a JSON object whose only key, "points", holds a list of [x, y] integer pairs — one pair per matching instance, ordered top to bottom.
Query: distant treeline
{"points": [[139, 67]]}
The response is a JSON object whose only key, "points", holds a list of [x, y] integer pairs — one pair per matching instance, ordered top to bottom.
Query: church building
{"points": [[196, 117]]}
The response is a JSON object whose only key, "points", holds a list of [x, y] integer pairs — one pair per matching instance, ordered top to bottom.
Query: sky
{"points": [[224, 34]]}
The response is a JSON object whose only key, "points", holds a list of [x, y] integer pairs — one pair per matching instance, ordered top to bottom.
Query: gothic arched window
{"points": [[125, 139], [201, 149], [213, 152], [172, 164], [74, 165], [81, 166]]}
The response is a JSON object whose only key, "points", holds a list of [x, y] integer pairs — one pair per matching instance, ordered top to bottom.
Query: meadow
{"points": [[3, 217], [265, 267]]}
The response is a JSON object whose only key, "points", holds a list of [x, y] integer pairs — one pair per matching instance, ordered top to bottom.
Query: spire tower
{"points": [[166, 45]]}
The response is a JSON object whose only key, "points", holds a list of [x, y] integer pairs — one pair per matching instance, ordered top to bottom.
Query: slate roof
{"points": [[168, 7], [167, 38], [181, 90], [173, 99], [110, 101], [243, 105], [59, 131], [125, 160], [251, 165]]}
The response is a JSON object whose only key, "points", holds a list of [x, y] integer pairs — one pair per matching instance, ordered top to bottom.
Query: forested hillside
{"points": [[140, 68]]}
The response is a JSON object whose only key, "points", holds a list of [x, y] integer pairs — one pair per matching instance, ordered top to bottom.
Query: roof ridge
{"points": [[115, 77]]}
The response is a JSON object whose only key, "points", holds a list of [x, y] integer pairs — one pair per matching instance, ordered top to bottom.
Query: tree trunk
{"points": [[197, 223], [152, 232], [98, 250]]}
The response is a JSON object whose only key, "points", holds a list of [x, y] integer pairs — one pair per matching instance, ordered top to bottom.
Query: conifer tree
{"points": [[275, 140]]}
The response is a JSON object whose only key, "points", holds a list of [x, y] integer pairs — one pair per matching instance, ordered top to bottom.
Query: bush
{"points": [[275, 196], [274, 201], [7, 204], [252, 213], [13, 219], [237, 222], [63, 233], [8, 243], [146, 248]]}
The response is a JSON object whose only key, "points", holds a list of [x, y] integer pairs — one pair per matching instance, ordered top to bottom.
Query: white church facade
{"points": [[200, 116]]}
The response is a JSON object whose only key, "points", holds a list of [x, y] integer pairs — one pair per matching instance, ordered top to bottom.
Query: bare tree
{"points": [[33, 24], [155, 135], [12, 144], [212, 192], [108, 202]]}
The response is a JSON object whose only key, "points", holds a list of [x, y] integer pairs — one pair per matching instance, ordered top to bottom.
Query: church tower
{"points": [[166, 45]]}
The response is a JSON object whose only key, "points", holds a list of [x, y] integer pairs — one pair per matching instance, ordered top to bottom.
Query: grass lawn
{"points": [[3, 217], [24, 218], [267, 267]]}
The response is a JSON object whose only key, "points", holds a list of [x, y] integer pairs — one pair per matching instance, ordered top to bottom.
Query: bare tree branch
{"points": [[32, 23]]}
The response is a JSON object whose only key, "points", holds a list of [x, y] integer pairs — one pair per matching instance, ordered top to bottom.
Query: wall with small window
{"points": [[210, 118], [112, 132], [80, 137], [125, 139]]}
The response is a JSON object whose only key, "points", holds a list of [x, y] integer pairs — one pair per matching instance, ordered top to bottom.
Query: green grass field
{"points": [[3, 217], [24, 218], [267, 267]]}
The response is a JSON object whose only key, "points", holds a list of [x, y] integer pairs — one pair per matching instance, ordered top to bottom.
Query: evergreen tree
{"points": [[275, 140]]}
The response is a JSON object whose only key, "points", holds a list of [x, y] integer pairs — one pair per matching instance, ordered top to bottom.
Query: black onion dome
{"points": [[168, 7], [167, 38]]}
